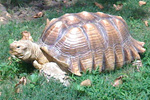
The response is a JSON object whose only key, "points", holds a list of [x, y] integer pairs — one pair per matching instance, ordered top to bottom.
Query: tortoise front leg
{"points": [[37, 65], [52, 70]]}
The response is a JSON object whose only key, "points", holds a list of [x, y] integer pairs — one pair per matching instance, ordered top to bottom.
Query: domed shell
{"points": [[85, 41]]}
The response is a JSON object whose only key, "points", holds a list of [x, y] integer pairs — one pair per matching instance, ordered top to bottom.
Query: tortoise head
{"points": [[21, 49]]}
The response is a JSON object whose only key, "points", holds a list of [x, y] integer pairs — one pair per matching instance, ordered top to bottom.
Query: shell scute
{"points": [[103, 15], [86, 16], [71, 20], [122, 28], [52, 33], [94, 36], [113, 36], [73, 43], [127, 53], [119, 56], [98, 59], [109, 59], [87, 61], [74, 66]]}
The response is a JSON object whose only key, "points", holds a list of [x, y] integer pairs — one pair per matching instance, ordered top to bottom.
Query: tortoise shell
{"points": [[85, 41]]}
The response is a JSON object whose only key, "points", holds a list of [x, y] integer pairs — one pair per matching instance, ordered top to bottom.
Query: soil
{"points": [[28, 11], [19, 14]]}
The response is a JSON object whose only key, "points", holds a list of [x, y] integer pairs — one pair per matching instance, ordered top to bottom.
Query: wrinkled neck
{"points": [[35, 51], [37, 54]]}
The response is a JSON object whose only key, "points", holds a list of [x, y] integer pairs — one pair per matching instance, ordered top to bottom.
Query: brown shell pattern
{"points": [[87, 40]]}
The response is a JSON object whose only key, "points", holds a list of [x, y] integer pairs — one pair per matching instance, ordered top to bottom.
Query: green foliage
{"points": [[14, 68], [136, 85]]}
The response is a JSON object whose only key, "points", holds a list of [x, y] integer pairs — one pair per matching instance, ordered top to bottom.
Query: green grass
{"points": [[136, 85]]}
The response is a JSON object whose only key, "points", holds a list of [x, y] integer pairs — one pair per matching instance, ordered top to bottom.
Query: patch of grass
{"points": [[136, 85]]}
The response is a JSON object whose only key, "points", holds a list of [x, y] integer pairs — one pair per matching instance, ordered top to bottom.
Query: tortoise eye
{"points": [[18, 46]]}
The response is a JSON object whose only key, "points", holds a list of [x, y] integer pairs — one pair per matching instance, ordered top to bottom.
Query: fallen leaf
{"points": [[69, 2], [142, 3], [99, 5], [118, 7], [8, 15], [38, 15], [146, 23], [26, 36], [9, 58], [10, 61], [22, 81], [118, 81], [86, 83], [17, 90], [0, 93]]}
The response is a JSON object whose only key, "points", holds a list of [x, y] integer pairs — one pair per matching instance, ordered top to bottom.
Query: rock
{"points": [[4, 15], [86, 83]]}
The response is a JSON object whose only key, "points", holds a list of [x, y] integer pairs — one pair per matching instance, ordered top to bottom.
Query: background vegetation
{"points": [[136, 85]]}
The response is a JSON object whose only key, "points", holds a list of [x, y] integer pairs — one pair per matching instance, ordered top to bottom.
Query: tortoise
{"points": [[77, 42]]}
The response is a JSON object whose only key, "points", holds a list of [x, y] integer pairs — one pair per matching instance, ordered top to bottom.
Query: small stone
{"points": [[86, 83]]}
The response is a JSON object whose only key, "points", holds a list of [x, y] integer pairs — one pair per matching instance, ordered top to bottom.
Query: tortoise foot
{"points": [[37, 65]]}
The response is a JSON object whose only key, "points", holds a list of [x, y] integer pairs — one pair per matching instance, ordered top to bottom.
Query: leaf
{"points": [[142, 3], [99, 5], [118, 7], [8, 15], [38, 15], [146, 23], [26, 36], [10, 41], [9, 58], [34, 78], [22, 81], [118, 81], [86, 83], [32, 85], [79, 88], [17, 90], [0, 93]]}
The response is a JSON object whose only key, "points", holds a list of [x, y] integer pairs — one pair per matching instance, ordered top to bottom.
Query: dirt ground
{"points": [[28, 11], [19, 14]]}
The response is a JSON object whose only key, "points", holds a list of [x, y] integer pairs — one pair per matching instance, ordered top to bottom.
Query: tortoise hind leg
{"points": [[140, 49], [138, 64]]}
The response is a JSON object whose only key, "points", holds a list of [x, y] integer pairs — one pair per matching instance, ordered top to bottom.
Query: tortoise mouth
{"points": [[15, 54], [20, 56]]}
